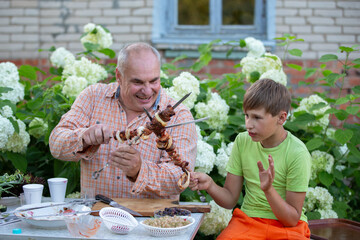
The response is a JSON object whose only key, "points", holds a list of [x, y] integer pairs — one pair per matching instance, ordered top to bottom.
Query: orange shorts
{"points": [[243, 227]]}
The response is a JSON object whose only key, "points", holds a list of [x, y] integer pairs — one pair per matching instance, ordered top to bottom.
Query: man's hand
{"points": [[96, 135], [127, 159], [266, 176]]}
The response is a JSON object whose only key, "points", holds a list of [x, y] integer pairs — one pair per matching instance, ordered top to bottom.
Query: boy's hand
{"points": [[266, 176], [199, 181]]}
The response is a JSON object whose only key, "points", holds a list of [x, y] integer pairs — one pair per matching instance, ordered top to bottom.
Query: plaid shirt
{"points": [[157, 177]]}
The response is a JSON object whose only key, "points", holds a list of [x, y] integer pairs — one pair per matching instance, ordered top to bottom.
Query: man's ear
{"points": [[117, 75], [282, 117]]}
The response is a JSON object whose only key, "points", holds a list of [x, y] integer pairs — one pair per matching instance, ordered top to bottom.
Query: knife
{"points": [[116, 205]]}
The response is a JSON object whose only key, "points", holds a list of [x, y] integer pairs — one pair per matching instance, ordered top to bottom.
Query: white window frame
{"points": [[167, 31]]}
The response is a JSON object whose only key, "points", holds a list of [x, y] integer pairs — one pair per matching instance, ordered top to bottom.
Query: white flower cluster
{"points": [[96, 34], [256, 48], [60, 57], [266, 64], [75, 73], [163, 75], [9, 77], [182, 85], [306, 104], [216, 108], [6, 111], [38, 127], [6, 131], [18, 141], [205, 156], [222, 158], [321, 161], [74, 195], [319, 199], [215, 221]]}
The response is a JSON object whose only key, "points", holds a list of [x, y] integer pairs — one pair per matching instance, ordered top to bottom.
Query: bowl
{"points": [[172, 211], [52, 214], [117, 220], [83, 225], [167, 232]]}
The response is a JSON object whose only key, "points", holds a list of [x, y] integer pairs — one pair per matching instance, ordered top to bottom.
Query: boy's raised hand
{"points": [[266, 176], [199, 181]]}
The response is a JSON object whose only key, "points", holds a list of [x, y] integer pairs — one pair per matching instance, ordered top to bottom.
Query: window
{"points": [[179, 22]]}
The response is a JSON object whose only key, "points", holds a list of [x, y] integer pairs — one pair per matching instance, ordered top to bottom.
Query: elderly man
{"points": [[85, 132]]}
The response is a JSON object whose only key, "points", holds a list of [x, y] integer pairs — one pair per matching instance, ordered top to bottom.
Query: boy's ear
{"points": [[282, 117]]}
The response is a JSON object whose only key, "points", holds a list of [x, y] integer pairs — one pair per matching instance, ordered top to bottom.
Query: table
{"points": [[33, 233]]}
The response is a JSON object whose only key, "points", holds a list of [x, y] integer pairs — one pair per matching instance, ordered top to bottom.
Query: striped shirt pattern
{"points": [[158, 176]]}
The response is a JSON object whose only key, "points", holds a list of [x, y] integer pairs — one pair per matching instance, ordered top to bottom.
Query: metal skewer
{"points": [[181, 100], [148, 114], [183, 123]]}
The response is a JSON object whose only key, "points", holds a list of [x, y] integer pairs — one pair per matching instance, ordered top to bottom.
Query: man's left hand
{"points": [[127, 159]]}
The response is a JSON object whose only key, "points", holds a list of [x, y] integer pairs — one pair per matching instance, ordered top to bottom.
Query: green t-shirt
{"points": [[292, 163]]}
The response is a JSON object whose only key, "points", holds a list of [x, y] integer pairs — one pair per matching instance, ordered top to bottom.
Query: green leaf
{"points": [[242, 43], [91, 46], [108, 52], [296, 52], [328, 58], [356, 61], [294, 66], [27, 71], [309, 72], [254, 76], [333, 77], [341, 101], [35, 103], [352, 109], [341, 115], [15, 124], [343, 135], [314, 143], [354, 150], [18, 160], [326, 178], [340, 208], [313, 215]]}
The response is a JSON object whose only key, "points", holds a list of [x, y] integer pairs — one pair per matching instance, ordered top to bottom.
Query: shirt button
{"points": [[118, 177]]}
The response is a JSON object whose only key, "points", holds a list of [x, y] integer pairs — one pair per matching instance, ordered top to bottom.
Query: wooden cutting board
{"points": [[147, 206]]}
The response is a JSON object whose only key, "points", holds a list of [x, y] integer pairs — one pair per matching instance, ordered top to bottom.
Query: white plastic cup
{"points": [[57, 188], [33, 193]]}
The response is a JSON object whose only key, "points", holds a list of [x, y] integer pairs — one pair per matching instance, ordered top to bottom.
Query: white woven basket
{"points": [[117, 220], [167, 232]]}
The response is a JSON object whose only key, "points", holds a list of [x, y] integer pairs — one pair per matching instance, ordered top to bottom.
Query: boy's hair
{"points": [[267, 93]]}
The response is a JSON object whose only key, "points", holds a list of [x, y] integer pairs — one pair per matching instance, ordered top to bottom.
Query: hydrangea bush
{"points": [[335, 178]]}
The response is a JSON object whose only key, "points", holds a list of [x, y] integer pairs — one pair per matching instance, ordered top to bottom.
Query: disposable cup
{"points": [[57, 188], [33, 193]]}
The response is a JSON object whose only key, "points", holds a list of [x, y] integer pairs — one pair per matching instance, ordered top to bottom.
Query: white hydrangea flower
{"points": [[96, 34], [256, 48], [60, 57], [263, 64], [92, 72], [276, 75], [9, 77], [182, 85], [73, 86], [307, 103], [216, 108], [6, 111], [40, 127], [6, 131], [198, 131], [330, 133], [18, 141], [344, 150], [205, 157], [222, 158], [321, 161], [340, 167], [74, 195], [318, 198], [328, 213], [216, 220]]}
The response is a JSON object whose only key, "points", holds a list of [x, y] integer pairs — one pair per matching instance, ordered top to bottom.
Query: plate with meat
{"points": [[49, 214]]}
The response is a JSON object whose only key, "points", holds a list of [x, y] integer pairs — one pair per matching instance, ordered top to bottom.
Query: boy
{"points": [[275, 166]]}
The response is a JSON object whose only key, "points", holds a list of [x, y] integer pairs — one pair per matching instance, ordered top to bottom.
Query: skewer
{"points": [[181, 100], [148, 114]]}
